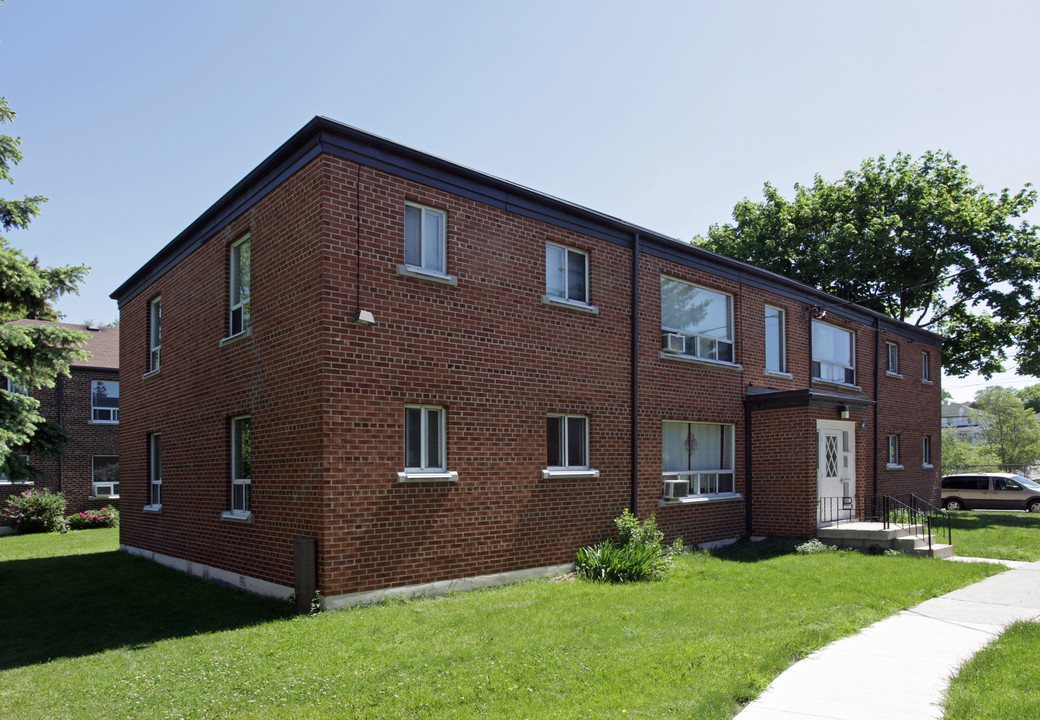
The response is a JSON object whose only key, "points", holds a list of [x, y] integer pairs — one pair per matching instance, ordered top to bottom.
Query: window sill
{"points": [[420, 273], [570, 304], [248, 333], [698, 361], [152, 373], [889, 373], [778, 374], [926, 382], [838, 384], [104, 422], [892, 466], [927, 466], [569, 474], [416, 476], [17, 482], [104, 497], [699, 499], [155, 509], [236, 516]]}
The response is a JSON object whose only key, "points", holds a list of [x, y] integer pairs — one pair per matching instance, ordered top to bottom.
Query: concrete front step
{"points": [[863, 536]]}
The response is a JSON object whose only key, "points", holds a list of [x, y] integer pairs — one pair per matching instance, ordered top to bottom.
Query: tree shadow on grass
{"points": [[754, 551], [62, 607]]}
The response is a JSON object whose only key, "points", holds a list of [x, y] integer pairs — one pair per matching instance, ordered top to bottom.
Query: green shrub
{"points": [[36, 511], [107, 516], [812, 547], [636, 555]]}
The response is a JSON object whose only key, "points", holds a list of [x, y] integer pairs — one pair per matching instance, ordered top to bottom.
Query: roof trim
{"points": [[323, 135]]}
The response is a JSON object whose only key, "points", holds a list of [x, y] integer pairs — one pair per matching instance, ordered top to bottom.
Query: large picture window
{"points": [[241, 256], [702, 318], [833, 354], [104, 401], [700, 453], [241, 465]]}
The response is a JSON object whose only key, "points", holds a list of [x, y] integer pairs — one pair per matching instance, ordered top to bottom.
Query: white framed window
{"points": [[425, 231], [241, 255], [566, 274], [698, 319], [775, 330], [154, 333], [833, 354], [891, 358], [926, 367], [16, 387], [104, 401], [425, 444], [567, 447], [926, 451], [893, 452], [700, 454], [241, 465], [105, 471], [154, 472], [6, 480]]}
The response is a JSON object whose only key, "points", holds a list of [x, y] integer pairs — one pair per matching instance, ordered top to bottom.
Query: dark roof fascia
{"points": [[323, 135], [757, 399]]}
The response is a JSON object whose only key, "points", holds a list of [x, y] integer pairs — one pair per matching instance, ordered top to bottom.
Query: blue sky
{"points": [[136, 116]]}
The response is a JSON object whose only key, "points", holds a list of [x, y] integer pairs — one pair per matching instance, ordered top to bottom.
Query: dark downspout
{"points": [[635, 375], [877, 395], [60, 400], [748, 528]]}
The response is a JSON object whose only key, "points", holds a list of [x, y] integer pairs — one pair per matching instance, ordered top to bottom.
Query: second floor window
{"points": [[424, 238], [240, 261], [566, 273], [702, 320], [154, 333], [775, 340], [833, 354], [892, 358], [926, 370], [104, 401]]}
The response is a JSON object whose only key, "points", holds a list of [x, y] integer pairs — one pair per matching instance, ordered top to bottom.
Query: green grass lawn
{"points": [[1002, 535], [91, 632], [1000, 682]]}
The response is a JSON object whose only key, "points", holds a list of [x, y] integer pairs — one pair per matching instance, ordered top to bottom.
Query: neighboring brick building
{"points": [[533, 369], [86, 404]]}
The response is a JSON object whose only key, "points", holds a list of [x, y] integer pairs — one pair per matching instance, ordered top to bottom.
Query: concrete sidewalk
{"points": [[899, 668]]}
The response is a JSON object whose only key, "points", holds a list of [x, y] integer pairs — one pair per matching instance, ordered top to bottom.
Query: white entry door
{"points": [[836, 469]]}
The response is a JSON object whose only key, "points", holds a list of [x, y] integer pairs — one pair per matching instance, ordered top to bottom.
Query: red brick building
{"points": [[441, 375], [86, 405]]}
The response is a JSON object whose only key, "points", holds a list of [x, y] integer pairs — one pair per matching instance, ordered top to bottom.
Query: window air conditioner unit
{"points": [[673, 343], [675, 489]]}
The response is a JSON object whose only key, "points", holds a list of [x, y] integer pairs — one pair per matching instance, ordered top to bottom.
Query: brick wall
{"points": [[327, 396]]}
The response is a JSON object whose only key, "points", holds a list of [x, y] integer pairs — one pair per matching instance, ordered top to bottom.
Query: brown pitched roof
{"points": [[102, 343]]}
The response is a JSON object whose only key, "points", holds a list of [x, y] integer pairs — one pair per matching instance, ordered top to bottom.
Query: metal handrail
{"points": [[944, 526]]}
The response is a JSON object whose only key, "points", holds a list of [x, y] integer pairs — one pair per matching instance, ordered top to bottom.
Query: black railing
{"points": [[913, 515]]}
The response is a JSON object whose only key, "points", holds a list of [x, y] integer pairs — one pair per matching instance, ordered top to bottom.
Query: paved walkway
{"points": [[899, 668]]}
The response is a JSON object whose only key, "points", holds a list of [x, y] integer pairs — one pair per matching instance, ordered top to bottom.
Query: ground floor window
{"points": [[424, 439], [567, 439], [698, 458], [241, 465], [155, 471], [106, 475]]}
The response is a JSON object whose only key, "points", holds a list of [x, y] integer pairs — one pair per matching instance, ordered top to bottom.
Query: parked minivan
{"points": [[990, 491]]}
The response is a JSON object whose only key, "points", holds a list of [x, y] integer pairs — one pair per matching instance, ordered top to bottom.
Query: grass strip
{"points": [[999, 683]]}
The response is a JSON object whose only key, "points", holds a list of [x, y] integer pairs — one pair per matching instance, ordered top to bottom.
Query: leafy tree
{"points": [[918, 240], [31, 357], [1030, 397], [1008, 427], [961, 456]]}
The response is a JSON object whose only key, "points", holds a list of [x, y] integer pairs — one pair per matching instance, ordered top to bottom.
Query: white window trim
{"points": [[423, 271], [563, 299], [570, 304], [731, 310], [247, 320], [154, 349], [892, 360], [829, 363], [722, 364], [926, 367], [782, 372], [114, 411], [926, 452], [897, 465], [732, 470], [573, 472], [428, 474], [152, 480], [94, 484], [235, 513]]}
